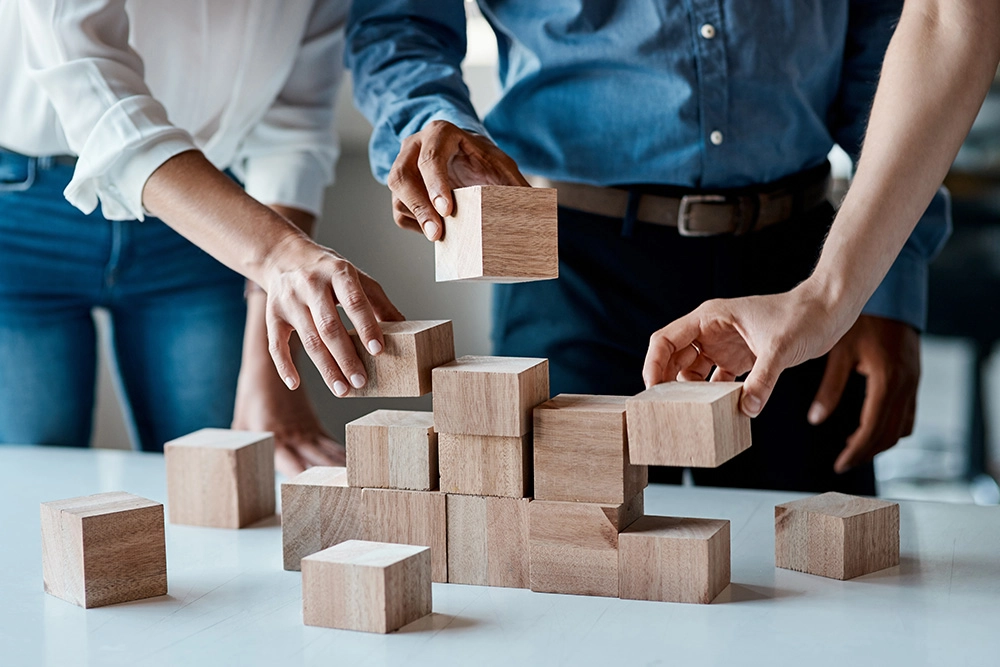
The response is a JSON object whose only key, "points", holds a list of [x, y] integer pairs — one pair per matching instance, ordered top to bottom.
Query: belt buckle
{"points": [[684, 213]]}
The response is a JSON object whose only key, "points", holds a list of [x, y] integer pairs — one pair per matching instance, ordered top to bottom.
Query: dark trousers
{"points": [[615, 289]]}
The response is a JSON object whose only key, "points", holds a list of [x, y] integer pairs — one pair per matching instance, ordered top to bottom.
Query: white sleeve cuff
{"points": [[297, 180]]}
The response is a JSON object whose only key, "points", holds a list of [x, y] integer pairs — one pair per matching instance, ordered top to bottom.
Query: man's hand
{"points": [[435, 161]]}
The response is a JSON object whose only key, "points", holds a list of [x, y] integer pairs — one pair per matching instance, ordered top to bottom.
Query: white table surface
{"points": [[230, 602]]}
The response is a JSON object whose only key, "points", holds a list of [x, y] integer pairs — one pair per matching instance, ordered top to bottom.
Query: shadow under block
{"points": [[501, 234], [411, 350], [489, 395], [696, 424], [393, 449], [581, 451], [485, 465], [220, 478], [318, 510], [418, 518], [835, 535], [488, 541], [573, 547], [103, 549], [671, 559], [366, 586]]}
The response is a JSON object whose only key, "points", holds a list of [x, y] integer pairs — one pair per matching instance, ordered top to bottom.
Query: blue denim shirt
{"points": [[697, 93]]}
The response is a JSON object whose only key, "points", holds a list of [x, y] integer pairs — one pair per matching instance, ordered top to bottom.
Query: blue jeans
{"points": [[177, 317]]}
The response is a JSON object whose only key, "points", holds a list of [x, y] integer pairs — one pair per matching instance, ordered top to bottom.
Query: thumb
{"points": [[759, 384]]}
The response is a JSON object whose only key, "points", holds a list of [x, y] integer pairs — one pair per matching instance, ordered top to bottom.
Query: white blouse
{"points": [[127, 84]]}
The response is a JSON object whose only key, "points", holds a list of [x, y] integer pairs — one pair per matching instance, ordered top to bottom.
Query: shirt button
{"points": [[708, 31], [715, 137]]}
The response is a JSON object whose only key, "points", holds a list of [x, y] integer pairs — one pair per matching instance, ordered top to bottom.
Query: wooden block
{"points": [[500, 234], [411, 350], [489, 395], [696, 424], [393, 449], [581, 451], [485, 465], [220, 478], [318, 510], [410, 517], [836, 535], [488, 541], [573, 547], [103, 549], [671, 559], [366, 586]]}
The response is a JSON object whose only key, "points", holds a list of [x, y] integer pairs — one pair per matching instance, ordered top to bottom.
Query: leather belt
{"points": [[700, 213]]}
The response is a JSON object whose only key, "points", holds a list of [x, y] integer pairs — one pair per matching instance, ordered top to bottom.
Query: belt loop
{"points": [[631, 213]]}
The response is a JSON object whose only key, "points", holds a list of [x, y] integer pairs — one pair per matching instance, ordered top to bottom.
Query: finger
{"points": [[436, 150], [407, 184], [403, 217], [350, 294], [384, 309], [278, 334], [340, 348], [670, 350], [319, 353], [698, 371], [838, 371], [722, 376], [759, 385], [874, 415], [334, 451], [312, 455], [287, 462]]}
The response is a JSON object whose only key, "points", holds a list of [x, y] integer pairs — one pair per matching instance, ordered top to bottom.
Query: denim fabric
{"points": [[177, 317]]}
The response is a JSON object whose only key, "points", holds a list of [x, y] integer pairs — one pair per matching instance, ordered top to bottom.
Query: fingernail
{"points": [[440, 205], [431, 230], [374, 346], [358, 380], [290, 382], [339, 388], [751, 406], [817, 413]]}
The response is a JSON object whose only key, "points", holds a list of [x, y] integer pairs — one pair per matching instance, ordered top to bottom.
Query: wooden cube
{"points": [[500, 234], [412, 349], [489, 395], [696, 424], [393, 449], [581, 451], [485, 465], [220, 478], [318, 510], [410, 517], [836, 535], [488, 541], [573, 547], [103, 549], [671, 559], [366, 586]]}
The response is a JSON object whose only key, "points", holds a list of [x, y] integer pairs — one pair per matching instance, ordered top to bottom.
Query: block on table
{"points": [[501, 234], [412, 349], [489, 395], [696, 424], [393, 449], [581, 451], [485, 465], [220, 478], [318, 510], [418, 518], [836, 535], [488, 541], [573, 547], [103, 549], [672, 559], [366, 586]]}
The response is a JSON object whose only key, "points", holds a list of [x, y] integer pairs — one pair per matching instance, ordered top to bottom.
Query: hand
{"points": [[435, 161], [887, 353]]}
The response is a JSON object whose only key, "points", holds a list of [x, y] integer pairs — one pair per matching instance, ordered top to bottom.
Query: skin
{"points": [[937, 71]]}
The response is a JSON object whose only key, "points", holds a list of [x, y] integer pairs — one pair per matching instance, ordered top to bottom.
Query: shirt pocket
{"points": [[17, 172]]}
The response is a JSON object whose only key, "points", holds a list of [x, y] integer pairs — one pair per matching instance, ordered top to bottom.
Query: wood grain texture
{"points": [[501, 234], [412, 349], [489, 395], [696, 424], [393, 449], [581, 451], [485, 465], [220, 478], [318, 510], [418, 518], [836, 535], [488, 541], [573, 547], [103, 549], [672, 559], [366, 586]]}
